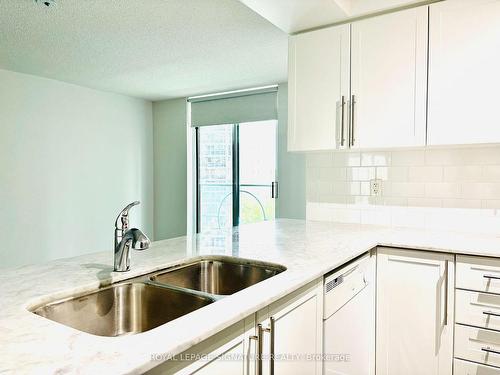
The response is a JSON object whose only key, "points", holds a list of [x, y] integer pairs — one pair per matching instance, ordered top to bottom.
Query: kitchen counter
{"points": [[32, 344]]}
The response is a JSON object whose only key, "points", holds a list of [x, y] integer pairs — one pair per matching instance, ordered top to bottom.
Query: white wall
{"points": [[70, 159], [170, 168], [445, 188], [291, 202]]}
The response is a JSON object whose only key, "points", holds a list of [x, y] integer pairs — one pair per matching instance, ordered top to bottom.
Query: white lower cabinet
{"points": [[415, 304], [426, 324], [477, 328], [285, 336], [292, 337], [223, 353]]}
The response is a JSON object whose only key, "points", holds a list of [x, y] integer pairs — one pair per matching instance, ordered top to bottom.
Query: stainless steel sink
{"points": [[218, 276], [151, 300], [125, 308]]}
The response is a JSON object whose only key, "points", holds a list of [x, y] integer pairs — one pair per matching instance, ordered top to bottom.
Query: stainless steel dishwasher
{"points": [[349, 318]]}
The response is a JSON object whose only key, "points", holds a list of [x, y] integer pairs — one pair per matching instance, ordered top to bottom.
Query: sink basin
{"points": [[218, 276], [125, 308]]}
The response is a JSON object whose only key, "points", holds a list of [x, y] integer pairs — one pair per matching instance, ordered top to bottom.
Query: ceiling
{"points": [[292, 16], [154, 49], [162, 49]]}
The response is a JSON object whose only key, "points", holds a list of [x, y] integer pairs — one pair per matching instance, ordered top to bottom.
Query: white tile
{"points": [[485, 155], [445, 156], [409, 157], [375, 158], [320, 159], [347, 159], [312, 173], [361, 173], [382, 173], [462, 173], [491, 173], [332, 174], [398, 174], [425, 174], [346, 188], [365, 188], [407, 189], [442, 190], [484, 190], [312, 191], [360, 201], [395, 201], [461, 203], [490, 204]]}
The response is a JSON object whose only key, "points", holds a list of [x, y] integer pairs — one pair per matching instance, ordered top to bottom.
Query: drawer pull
{"points": [[491, 277], [490, 313], [488, 350]]}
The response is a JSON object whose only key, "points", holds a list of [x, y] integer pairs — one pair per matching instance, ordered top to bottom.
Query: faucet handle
{"points": [[122, 219]]}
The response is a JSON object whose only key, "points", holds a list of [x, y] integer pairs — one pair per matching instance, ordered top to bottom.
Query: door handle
{"points": [[342, 115], [351, 132], [274, 189], [446, 293], [270, 330], [258, 339]]}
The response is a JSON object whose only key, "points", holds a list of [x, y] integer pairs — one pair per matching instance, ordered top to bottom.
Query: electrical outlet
{"points": [[376, 187]]}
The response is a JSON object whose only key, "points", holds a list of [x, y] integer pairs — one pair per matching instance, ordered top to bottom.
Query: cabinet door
{"points": [[464, 60], [318, 77], [388, 80], [414, 312], [295, 325], [227, 352]]}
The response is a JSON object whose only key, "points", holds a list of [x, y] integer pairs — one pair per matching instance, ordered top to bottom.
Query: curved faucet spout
{"points": [[126, 238], [132, 238]]}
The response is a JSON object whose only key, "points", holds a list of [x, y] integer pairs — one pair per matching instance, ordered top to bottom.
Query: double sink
{"points": [[151, 300]]}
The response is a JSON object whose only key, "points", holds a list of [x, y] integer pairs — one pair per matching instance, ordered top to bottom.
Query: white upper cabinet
{"points": [[464, 72], [318, 78], [388, 80]]}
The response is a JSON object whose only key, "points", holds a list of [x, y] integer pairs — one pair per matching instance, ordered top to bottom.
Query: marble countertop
{"points": [[32, 344]]}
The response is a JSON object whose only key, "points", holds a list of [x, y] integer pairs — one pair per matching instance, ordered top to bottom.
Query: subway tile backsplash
{"points": [[442, 188]]}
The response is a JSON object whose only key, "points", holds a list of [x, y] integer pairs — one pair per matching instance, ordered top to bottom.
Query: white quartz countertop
{"points": [[32, 344]]}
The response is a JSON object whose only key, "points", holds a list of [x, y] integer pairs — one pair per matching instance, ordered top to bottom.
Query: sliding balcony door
{"points": [[236, 174]]}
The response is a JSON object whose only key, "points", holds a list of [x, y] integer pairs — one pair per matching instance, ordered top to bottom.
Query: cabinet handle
{"points": [[342, 132], [351, 132], [491, 277], [446, 293], [490, 313], [270, 330], [258, 338], [488, 350]]}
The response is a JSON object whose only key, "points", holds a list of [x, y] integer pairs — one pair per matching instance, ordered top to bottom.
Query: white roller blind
{"points": [[231, 108]]}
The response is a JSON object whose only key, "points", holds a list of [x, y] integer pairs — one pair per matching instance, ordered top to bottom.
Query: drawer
{"points": [[478, 273], [477, 309], [477, 345], [468, 368]]}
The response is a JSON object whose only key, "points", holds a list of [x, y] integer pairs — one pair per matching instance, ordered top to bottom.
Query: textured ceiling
{"points": [[297, 15], [154, 49]]}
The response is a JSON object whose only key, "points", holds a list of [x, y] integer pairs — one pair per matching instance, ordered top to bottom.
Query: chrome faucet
{"points": [[124, 238]]}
